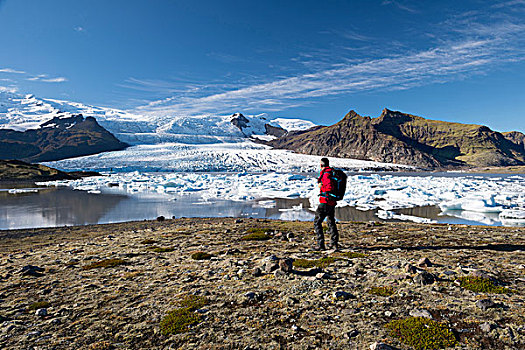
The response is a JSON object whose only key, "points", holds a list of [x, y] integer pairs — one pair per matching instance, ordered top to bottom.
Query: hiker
{"points": [[326, 209]]}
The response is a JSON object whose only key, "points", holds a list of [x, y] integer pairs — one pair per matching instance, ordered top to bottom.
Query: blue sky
{"points": [[460, 61]]}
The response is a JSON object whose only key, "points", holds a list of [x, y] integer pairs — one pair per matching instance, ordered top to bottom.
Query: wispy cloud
{"points": [[400, 5], [79, 29], [485, 48], [11, 71], [23, 75], [44, 78]]}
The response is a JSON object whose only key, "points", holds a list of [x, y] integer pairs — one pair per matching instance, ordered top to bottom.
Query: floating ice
{"points": [[22, 190], [477, 199], [389, 215]]}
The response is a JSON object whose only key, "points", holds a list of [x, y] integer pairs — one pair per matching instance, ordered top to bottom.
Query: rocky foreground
{"points": [[255, 284]]}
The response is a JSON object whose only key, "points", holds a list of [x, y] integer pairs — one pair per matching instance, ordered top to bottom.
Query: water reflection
{"points": [[51, 207]]}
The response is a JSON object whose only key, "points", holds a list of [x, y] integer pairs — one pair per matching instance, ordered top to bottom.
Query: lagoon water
{"points": [[63, 206]]}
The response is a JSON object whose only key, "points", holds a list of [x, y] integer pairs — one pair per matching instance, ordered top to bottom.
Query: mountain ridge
{"points": [[58, 138], [403, 138]]}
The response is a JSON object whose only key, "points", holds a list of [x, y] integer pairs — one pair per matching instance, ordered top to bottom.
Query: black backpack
{"points": [[338, 179]]}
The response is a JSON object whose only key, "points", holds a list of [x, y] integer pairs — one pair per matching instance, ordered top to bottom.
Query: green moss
{"points": [[259, 230], [256, 236], [148, 241], [161, 249], [352, 255], [201, 256], [105, 263], [307, 263], [482, 285], [382, 291], [193, 302], [38, 305], [178, 321], [422, 333], [101, 345]]}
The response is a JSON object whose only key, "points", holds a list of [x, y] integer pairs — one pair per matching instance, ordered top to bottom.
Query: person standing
{"points": [[326, 209]]}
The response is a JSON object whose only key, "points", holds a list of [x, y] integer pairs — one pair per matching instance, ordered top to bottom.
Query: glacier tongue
{"points": [[245, 156]]}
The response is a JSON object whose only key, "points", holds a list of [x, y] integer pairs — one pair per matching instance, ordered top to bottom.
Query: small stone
{"points": [[424, 262], [286, 265], [270, 266], [410, 269], [31, 270], [256, 272], [279, 273], [322, 276], [424, 278], [250, 295], [342, 295], [291, 301], [485, 304], [41, 312], [388, 313], [420, 313], [487, 327], [34, 334], [352, 334], [380, 346]]}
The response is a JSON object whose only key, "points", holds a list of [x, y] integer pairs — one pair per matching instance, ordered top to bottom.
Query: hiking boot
{"points": [[318, 247], [335, 247]]}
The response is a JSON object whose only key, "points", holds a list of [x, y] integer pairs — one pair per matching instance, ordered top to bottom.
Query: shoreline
{"points": [[333, 306]]}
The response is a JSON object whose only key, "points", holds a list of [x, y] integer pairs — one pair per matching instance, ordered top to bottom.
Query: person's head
{"points": [[325, 162]]}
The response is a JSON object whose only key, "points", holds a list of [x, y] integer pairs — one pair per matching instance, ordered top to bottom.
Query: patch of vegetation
{"points": [[259, 230], [256, 236], [148, 241], [161, 249], [352, 255], [201, 256], [105, 263], [307, 263], [482, 285], [382, 291], [193, 302], [38, 305], [179, 320], [422, 333], [101, 345]]}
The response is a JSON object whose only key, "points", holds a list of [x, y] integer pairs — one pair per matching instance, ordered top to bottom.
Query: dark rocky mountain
{"points": [[247, 127], [516, 137], [59, 138], [401, 138], [16, 170]]}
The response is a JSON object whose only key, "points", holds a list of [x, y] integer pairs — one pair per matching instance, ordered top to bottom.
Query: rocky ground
{"points": [[58, 290]]}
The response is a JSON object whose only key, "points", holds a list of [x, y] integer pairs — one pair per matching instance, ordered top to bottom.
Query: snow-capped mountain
{"points": [[21, 112], [173, 143]]}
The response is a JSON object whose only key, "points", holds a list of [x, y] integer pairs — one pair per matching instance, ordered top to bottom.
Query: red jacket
{"points": [[326, 186]]}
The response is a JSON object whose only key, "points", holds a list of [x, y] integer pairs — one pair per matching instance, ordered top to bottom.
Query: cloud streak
{"points": [[486, 47], [11, 71], [44, 78]]}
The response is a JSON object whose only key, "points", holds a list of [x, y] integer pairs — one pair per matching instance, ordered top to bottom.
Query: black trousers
{"points": [[326, 211]]}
